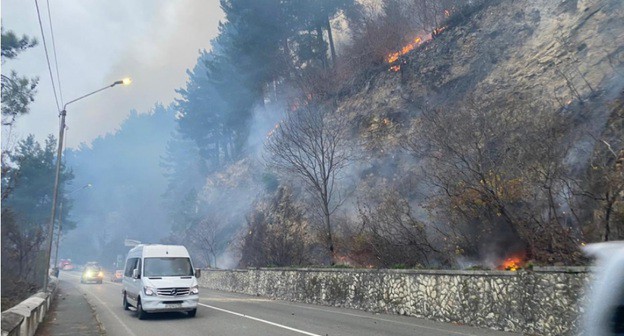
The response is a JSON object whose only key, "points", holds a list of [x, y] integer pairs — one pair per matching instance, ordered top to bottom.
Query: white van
{"points": [[160, 278], [604, 315]]}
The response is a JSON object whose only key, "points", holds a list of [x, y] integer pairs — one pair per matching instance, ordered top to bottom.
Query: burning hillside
{"points": [[527, 64]]}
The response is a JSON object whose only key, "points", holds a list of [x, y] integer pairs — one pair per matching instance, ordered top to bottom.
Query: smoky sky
{"points": [[98, 42]]}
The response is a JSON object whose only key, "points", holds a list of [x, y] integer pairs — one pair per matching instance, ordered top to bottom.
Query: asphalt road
{"points": [[222, 313]]}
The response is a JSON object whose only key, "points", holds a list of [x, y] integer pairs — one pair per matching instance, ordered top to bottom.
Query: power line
{"points": [[45, 48], [58, 77]]}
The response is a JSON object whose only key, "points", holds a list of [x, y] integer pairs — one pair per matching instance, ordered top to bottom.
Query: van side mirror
{"points": [[135, 273], [198, 273]]}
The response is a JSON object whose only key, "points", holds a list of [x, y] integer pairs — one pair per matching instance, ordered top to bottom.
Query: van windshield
{"points": [[167, 267]]}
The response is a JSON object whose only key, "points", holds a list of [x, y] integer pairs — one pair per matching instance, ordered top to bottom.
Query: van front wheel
{"points": [[192, 313], [141, 314]]}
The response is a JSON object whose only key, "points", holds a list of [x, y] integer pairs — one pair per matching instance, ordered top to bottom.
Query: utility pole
{"points": [[57, 177]]}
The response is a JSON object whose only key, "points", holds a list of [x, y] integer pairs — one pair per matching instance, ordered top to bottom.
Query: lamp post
{"points": [[125, 81], [60, 229]]}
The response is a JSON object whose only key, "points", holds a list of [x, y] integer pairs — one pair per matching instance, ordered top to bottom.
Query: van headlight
{"points": [[195, 290], [149, 291]]}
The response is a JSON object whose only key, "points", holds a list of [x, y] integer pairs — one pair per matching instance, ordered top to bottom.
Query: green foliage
{"points": [[252, 38], [261, 43], [12, 45], [17, 91], [17, 94], [215, 108], [185, 171], [33, 181], [270, 182], [26, 211], [185, 215], [341, 266], [399, 266]]}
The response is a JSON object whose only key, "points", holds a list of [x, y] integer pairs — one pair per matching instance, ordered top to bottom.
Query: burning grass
{"points": [[513, 263]]}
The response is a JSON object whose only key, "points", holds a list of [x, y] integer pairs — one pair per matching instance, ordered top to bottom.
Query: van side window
{"points": [[130, 265]]}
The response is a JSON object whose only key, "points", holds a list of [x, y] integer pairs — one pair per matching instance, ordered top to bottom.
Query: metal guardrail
{"points": [[24, 318]]}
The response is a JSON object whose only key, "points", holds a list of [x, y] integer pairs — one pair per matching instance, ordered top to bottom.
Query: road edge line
{"points": [[259, 320]]}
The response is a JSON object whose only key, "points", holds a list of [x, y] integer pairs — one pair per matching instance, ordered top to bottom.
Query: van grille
{"points": [[176, 291]]}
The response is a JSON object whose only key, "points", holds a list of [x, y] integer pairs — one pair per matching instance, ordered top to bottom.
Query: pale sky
{"points": [[98, 42]]}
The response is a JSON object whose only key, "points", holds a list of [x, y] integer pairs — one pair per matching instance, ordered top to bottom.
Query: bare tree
{"points": [[310, 145], [500, 171], [603, 190], [276, 234], [395, 235], [205, 236], [22, 262]]}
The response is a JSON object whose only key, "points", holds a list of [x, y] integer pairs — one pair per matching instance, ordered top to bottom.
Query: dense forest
{"points": [[394, 133]]}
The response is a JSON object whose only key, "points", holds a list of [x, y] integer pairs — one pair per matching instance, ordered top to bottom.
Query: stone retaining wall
{"points": [[544, 301]]}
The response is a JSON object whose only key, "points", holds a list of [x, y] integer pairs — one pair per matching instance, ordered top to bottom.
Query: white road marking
{"points": [[223, 299], [226, 299], [115, 315], [360, 316], [381, 319], [260, 320], [128, 330]]}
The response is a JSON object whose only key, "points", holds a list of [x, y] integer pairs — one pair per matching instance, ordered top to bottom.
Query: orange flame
{"points": [[438, 31], [393, 57], [512, 263]]}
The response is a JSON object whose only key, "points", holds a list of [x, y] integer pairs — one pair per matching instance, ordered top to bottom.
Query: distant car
{"points": [[66, 265], [92, 274], [117, 276], [605, 311]]}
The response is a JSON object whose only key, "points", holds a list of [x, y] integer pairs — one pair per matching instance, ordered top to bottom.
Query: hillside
{"points": [[562, 53], [541, 80], [494, 140]]}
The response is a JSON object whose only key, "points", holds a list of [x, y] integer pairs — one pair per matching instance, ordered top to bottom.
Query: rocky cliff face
{"points": [[568, 54], [563, 61]]}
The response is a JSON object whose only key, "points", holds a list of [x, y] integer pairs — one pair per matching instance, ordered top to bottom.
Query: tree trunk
{"points": [[321, 42], [331, 42], [607, 219], [329, 232]]}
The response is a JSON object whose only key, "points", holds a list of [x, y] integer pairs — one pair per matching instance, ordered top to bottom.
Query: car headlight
{"points": [[101, 274], [195, 290], [149, 291]]}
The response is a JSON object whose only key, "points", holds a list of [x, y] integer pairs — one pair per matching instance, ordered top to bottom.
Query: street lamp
{"points": [[59, 153], [60, 228]]}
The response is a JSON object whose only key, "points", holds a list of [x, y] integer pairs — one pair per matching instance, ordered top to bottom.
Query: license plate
{"points": [[173, 305]]}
